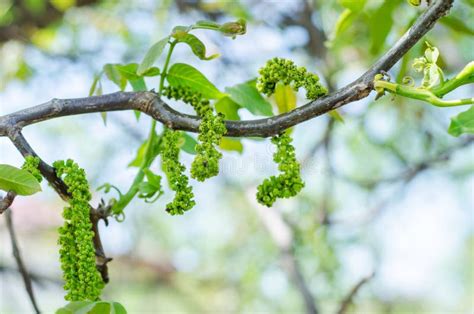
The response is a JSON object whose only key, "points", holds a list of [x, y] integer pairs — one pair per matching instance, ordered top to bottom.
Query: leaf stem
{"points": [[421, 94], [152, 143]]}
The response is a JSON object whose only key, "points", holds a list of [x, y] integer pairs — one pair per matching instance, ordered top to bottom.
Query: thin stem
{"points": [[466, 76], [421, 94], [151, 146], [19, 261]]}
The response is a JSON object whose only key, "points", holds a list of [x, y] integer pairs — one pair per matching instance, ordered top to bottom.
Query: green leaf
{"points": [[353, 5], [343, 22], [380, 24], [207, 25], [457, 25], [197, 46], [152, 55], [128, 71], [153, 71], [181, 74], [115, 76], [92, 90], [247, 96], [285, 98], [228, 107], [336, 115], [462, 123], [188, 143], [231, 145], [139, 158], [18, 180], [152, 186], [91, 307]]}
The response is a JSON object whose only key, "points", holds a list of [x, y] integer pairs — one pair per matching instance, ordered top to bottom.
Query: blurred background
{"points": [[388, 196]]}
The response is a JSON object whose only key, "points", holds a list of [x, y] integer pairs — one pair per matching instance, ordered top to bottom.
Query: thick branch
{"points": [[152, 105]]}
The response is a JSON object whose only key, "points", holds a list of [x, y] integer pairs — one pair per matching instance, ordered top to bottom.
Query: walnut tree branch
{"points": [[151, 104], [48, 172]]}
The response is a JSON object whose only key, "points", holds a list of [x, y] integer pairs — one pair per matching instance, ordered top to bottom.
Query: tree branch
{"points": [[151, 104], [48, 172], [6, 201], [19, 261], [348, 299]]}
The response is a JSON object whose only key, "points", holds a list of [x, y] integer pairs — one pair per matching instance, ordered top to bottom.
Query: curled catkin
{"points": [[279, 70], [289, 182]]}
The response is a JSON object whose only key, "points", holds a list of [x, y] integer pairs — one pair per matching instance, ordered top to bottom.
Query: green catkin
{"points": [[285, 71], [211, 130], [31, 165], [178, 181], [289, 182], [83, 282]]}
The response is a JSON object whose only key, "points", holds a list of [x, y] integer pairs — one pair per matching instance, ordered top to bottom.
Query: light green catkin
{"points": [[211, 130], [178, 181], [83, 282]]}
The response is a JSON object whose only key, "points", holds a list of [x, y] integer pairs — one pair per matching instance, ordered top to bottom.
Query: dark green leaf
{"points": [[197, 46], [152, 55], [181, 74], [247, 96], [228, 107], [462, 123], [18, 180]]}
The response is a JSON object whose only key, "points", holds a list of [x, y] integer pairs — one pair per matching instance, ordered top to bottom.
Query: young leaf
{"points": [[353, 5], [380, 24], [197, 46], [152, 55], [128, 71], [181, 74], [114, 75], [247, 96], [285, 98], [228, 107], [336, 115], [462, 123], [188, 144], [231, 145], [18, 180], [92, 307]]}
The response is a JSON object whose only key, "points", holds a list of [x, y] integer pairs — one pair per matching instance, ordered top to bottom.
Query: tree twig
{"points": [[151, 104], [6, 201], [19, 261], [349, 298]]}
